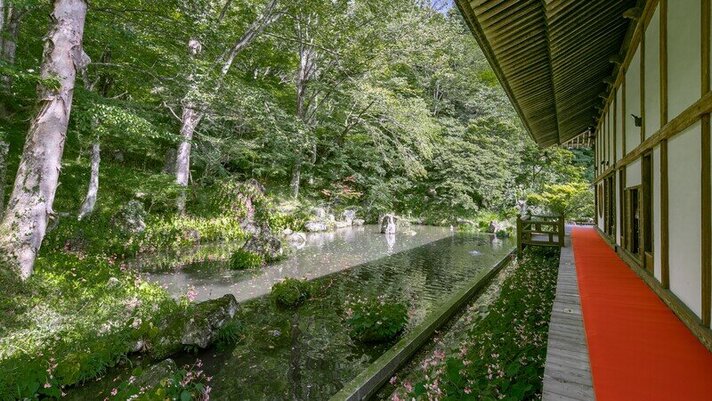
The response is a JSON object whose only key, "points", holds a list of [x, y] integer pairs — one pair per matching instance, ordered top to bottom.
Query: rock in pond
{"points": [[349, 215], [359, 222], [342, 224], [316, 226], [266, 245], [197, 327], [156, 375]]}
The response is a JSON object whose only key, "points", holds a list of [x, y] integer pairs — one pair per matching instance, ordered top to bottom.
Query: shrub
{"points": [[241, 260], [291, 293], [376, 319], [228, 334]]}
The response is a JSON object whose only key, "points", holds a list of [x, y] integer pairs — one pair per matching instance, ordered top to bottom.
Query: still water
{"points": [[320, 255], [307, 354]]}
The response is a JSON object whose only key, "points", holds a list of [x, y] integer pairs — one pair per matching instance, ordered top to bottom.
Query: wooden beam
{"points": [[678, 124], [706, 184], [664, 217], [706, 217]]}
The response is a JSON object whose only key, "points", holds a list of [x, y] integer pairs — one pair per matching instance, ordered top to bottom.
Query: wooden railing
{"points": [[539, 231]]}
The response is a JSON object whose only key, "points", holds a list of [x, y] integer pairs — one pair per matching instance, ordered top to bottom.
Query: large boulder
{"points": [[319, 212], [349, 215], [131, 218], [342, 224], [316, 226], [500, 228], [266, 245], [208, 317], [196, 327], [156, 375]]}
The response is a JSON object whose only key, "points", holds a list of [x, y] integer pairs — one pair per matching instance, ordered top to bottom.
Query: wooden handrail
{"points": [[535, 224]]}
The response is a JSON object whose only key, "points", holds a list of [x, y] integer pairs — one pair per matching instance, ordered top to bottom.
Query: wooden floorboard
{"points": [[567, 374]]}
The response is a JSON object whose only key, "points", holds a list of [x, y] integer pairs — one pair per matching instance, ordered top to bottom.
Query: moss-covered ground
{"points": [[497, 348]]}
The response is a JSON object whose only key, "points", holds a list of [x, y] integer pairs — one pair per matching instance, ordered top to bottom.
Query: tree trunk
{"points": [[9, 31], [305, 72], [191, 116], [190, 119], [4, 150], [296, 178], [90, 200], [30, 206]]}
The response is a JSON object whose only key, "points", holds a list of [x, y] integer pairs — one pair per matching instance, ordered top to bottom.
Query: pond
{"points": [[321, 254], [307, 354]]}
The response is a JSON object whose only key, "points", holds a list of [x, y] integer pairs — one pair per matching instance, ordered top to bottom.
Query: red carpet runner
{"points": [[639, 349]]}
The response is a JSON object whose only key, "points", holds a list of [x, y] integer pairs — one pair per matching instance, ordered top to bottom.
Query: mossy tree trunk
{"points": [[10, 16], [4, 150], [30, 206]]}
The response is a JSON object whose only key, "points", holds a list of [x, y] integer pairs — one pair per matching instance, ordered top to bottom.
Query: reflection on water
{"points": [[322, 254], [307, 354]]}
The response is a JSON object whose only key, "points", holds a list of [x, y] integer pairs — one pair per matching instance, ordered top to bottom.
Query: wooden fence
{"points": [[539, 231]]}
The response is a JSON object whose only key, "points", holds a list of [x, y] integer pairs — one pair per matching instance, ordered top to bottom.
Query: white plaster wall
{"points": [[684, 59], [652, 76], [632, 102], [609, 122], [619, 124], [632, 174], [684, 196], [656, 213]]}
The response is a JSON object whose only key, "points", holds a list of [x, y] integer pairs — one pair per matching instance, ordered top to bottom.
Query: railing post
{"points": [[562, 231], [519, 236]]}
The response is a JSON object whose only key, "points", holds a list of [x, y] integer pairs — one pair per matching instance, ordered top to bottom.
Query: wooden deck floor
{"points": [[567, 374]]}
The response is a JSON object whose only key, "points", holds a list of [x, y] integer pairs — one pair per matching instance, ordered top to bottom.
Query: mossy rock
{"points": [[291, 293], [197, 326]]}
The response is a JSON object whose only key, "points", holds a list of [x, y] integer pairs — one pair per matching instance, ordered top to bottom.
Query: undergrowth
{"points": [[503, 355]]}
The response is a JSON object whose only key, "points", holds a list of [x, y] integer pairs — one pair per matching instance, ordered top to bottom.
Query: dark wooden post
{"points": [[562, 231], [519, 236]]}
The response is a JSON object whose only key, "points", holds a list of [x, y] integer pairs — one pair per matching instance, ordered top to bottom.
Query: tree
{"points": [[192, 109], [30, 206]]}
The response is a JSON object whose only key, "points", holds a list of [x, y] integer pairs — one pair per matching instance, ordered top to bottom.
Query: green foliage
{"points": [[574, 200], [241, 260], [291, 293], [375, 319], [229, 334], [57, 346], [504, 354], [189, 383]]}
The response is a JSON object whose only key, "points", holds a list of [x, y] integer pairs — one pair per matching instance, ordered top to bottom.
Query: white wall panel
{"points": [[684, 58], [652, 75], [632, 102], [684, 159], [632, 174]]}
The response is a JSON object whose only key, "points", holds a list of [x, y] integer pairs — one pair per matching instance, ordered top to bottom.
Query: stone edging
{"points": [[366, 384]]}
